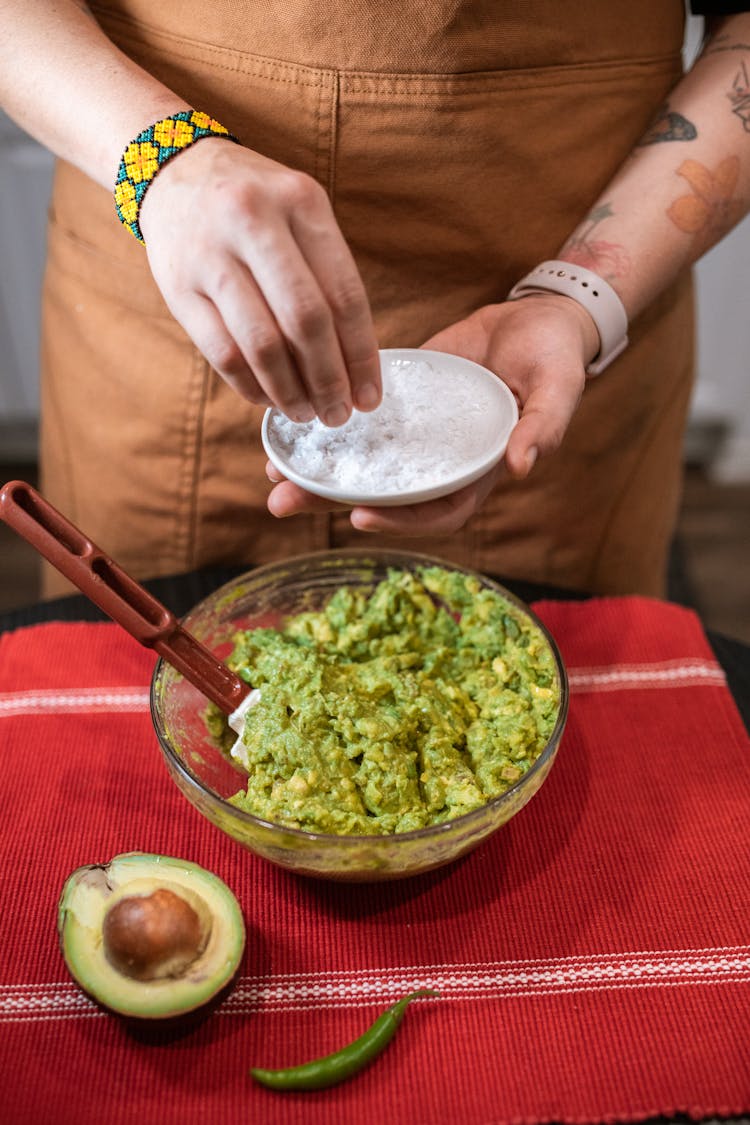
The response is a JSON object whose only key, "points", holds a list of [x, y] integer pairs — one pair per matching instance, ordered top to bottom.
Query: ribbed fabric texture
{"points": [[593, 957]]}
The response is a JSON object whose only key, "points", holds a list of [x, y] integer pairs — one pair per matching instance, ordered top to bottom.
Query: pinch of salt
{"points": [[423, 433]]}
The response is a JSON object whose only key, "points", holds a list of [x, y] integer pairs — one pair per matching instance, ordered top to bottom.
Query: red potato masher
{"points": [[123, 599]]}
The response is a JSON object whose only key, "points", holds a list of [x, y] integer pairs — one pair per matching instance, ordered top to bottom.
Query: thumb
{"points": [[545, 417]]}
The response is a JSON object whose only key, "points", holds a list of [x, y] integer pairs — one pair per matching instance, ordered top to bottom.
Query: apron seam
{"points": [[261, 66], [265, 66], [502, 81], [333, 136], [187, 485], [321, 527]]}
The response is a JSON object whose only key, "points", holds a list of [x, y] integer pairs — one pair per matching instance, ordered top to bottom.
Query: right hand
{"points": [[249, 258]]}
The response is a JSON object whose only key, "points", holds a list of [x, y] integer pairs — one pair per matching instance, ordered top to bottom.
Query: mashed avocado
{"points": [[392, 710]]}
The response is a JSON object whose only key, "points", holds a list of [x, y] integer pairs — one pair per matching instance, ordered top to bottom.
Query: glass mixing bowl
{"points": [[207, 777]]}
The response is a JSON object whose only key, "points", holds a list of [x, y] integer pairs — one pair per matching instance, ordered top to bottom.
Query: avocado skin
{"points": [[162, 1010], [162, 1032]]}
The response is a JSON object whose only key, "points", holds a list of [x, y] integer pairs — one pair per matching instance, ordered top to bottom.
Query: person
{"points": [[393, 170]]}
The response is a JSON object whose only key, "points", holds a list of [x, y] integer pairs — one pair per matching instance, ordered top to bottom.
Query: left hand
{"points": [[539, 345]]}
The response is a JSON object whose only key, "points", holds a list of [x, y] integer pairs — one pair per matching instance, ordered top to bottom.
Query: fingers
{"points": [[331, 262], [309, 280], [202, 321], [291, 324], [305, 325], [256, 359], [274, 475], [288, 499], [443, 516], [434, 517]]}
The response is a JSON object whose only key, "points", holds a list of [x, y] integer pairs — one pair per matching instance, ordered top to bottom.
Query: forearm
{"points": [[71, 88], [685, 185]]}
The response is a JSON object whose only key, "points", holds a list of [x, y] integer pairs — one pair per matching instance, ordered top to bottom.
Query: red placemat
{"points": [[593, 957]]}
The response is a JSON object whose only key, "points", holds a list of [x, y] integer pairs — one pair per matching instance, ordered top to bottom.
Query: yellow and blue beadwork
{"points": [[151, 149]]}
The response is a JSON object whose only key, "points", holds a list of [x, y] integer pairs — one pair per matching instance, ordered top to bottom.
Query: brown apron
{"points": [[461, 142]]}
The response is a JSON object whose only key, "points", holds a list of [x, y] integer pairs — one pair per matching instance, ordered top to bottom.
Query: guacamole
{"points": [[393, 709]]}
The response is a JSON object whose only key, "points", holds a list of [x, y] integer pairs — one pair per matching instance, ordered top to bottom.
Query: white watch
{"points": [[595, 294]]}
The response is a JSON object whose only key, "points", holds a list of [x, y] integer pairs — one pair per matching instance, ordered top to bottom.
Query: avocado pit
{"points": [[149, 937]]}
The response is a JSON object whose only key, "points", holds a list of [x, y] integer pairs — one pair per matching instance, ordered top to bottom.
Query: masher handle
{"points": [[113, 590]]}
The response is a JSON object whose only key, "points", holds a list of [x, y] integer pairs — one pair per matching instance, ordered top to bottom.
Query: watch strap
{"points": [[595, 294]]}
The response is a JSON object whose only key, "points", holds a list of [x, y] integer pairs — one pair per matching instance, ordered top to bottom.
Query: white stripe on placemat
{"points": [[664, 674], [621, 677], [74, 700], [466, 981], [32, 1003]]}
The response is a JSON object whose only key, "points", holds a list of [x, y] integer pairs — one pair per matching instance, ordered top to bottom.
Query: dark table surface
{"points": [[182, 591]]}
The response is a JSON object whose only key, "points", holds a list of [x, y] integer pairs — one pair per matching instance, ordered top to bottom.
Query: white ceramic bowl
{"points": [[442, 461]]}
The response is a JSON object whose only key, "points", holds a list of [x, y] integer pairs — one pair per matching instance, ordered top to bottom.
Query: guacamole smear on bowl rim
{"points": [[393, 709]]}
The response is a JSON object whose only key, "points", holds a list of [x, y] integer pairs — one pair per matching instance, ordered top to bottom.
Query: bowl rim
{"points": [[474, 469], [322, 838]]}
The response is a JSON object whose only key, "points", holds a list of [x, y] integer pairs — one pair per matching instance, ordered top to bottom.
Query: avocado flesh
{"points": [[88, 894]]}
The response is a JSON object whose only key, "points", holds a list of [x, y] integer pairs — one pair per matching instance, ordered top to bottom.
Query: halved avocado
{"points": [[150, 936]]}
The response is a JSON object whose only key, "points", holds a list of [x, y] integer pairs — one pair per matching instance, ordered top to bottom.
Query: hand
{"points": [[251, 262], [539, 345]]}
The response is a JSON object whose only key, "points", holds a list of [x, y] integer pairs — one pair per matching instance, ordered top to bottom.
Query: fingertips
{"points": [[366, 382], [521, 455], [275, 475], [288, 499], [284, 500], [434, 517], [366, 519]]}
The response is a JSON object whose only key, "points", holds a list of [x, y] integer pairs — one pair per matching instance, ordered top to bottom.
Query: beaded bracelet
{"points": [[150, 150]]}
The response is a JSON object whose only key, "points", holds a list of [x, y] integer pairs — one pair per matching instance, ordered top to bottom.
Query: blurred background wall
{"points": [[25, 173]]}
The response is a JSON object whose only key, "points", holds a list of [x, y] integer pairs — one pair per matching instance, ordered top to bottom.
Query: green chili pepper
{"points": [[330, 1069]]}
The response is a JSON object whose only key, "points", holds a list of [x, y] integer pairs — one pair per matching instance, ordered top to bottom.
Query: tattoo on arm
{"points": [[739, 96], [668, 126], [710, 211], [608, 259]]}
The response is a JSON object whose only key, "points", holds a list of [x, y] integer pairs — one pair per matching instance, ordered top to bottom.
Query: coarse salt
{"points": [[425, 431]]}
